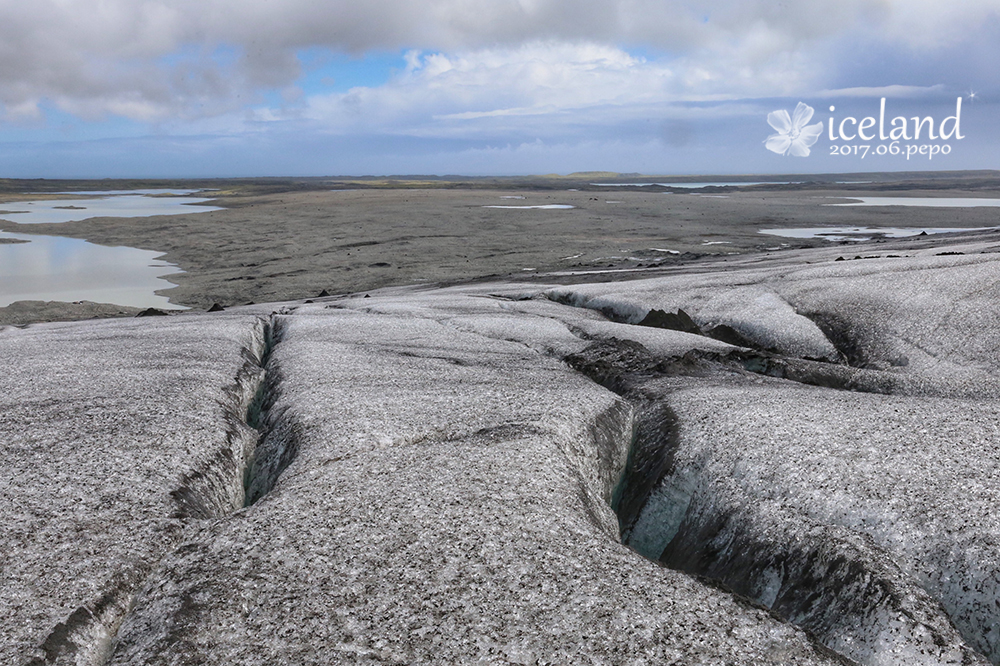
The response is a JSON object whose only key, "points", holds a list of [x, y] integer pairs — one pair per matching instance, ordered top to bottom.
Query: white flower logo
{"points": [[794, 136]]}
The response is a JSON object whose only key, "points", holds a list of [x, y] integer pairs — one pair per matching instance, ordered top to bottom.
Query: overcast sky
{"points": [[148, 88]]}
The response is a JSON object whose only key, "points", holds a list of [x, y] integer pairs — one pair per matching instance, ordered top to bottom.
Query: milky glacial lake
{"points": [[695, 186], [932, 202], [540, 207], [56, 211], [865, 233], [52, 268]]}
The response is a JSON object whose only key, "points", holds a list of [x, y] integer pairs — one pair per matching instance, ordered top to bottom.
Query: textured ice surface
{"points": [[747, 303], [935, 316], [931, 318], [105, 425], [435, 478], [776, 479], [448, 503], [868, 519]]}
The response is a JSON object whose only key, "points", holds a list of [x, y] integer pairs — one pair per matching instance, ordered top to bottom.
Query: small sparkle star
{"points": [[972, 95]]}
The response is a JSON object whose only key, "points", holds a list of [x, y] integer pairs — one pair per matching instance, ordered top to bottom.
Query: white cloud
{"points": [[930, 24], [154, 60], [548, 87], [884, 91]]}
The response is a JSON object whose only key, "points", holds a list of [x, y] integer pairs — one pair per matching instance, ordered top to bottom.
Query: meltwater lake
{"points": [[863, 233], [53, 268]]}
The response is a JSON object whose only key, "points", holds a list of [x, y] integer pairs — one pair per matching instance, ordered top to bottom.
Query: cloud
{"points": [[159, 59], [482, 86], [547, 89], [884, 91]]}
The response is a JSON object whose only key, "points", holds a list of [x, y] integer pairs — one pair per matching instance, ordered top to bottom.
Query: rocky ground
{"points": [[276, 246], [788, 459]]}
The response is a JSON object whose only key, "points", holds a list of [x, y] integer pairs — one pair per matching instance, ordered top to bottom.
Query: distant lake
{"points": [[695, 186], [933, 202], [540, 207], [56, 211], [833, 233], [864, 233], [52, 268]]}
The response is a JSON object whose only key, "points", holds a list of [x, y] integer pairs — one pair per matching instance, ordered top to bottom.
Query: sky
{"points": [[221, 88]]}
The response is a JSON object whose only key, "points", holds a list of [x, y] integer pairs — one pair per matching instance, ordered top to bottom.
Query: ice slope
{"points": [[112, 433], [430, 474], [427, 494], [447, 503]]}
